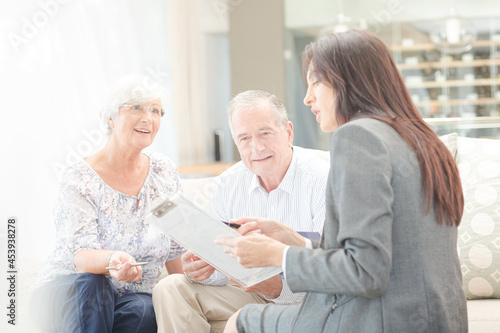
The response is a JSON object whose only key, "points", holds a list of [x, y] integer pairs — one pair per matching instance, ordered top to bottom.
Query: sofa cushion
{"points": [[450, 141], [478, 162], [484, 316]]}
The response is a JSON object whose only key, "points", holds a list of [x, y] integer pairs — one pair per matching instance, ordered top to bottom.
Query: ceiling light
{"points": [[453, 35]]}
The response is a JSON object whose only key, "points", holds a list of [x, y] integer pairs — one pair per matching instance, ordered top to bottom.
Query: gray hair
{"points": [[133, 89], [251, 98]]}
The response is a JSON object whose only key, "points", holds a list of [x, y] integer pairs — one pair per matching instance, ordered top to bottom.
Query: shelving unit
{"points": [[430, 46], [460, 63], [454, 83], [453, 92], [480, 101]]}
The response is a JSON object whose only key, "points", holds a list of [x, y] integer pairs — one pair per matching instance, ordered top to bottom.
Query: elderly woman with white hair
{"points": [[90, 282]]}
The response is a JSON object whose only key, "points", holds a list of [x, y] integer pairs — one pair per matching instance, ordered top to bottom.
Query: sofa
{"points": [[478, 161]]}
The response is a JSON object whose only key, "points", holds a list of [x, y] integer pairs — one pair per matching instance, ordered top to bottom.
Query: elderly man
{"points": [[274, 180]]}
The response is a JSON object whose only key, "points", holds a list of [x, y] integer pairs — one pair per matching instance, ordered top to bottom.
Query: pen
{"points": [[232, 225], [135, 264]]}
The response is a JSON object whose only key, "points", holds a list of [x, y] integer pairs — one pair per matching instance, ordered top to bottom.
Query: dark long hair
{"points": [[367, 83]]}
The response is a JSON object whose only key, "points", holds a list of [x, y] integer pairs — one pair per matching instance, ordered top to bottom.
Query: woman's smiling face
{"points": [[136, 129]]}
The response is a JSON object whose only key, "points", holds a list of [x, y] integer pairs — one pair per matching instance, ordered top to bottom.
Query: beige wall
{"points": [[256, 37]]}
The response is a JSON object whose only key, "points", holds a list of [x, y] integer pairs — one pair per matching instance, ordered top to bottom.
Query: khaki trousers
{"points": [[183, 306]]}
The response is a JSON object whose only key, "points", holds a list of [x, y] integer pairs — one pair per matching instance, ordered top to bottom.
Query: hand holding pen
{"points": [[232, 225], [142, 263], [123, 267]]}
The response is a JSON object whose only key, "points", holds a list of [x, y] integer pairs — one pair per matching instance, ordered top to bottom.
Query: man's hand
{"points": [[195, 268], [270, 287]]}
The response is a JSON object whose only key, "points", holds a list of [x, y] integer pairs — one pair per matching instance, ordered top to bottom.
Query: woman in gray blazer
{"points": [[387, 260]]}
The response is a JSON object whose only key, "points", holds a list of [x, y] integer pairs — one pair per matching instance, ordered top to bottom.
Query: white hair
{"points": [[131, 89], [253, 97]]}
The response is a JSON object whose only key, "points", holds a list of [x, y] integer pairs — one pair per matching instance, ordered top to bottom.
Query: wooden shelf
{"points": [[430, 46], [447, 64], [454, 83], [449, 85], [479, 101], [463, 121], [211, 169]]}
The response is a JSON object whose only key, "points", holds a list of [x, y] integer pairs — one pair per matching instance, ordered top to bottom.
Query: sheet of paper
{"points": [[193, 228]]}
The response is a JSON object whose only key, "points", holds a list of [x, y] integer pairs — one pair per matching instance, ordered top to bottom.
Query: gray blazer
{"points": [[383, 264]]}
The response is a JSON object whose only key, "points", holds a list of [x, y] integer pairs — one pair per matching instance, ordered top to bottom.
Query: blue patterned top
{"points": [[91, 215]]}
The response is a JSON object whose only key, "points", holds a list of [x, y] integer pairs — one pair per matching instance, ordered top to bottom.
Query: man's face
{"points": [[264, 147]]}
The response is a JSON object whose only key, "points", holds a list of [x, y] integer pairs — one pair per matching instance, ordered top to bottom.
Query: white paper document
{"points": [[195, 229]]}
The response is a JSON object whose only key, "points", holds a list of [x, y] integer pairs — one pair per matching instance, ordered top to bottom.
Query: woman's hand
{"points": [[270, 228], [254, 250], [95, 262], [195, 268], [124, 271]]}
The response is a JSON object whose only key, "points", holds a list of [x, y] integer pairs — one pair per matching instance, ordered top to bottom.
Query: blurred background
{"points": [[58, 58]]}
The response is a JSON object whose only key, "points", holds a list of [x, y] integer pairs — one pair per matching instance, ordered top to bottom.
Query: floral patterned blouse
{"points": [[91, 215]]}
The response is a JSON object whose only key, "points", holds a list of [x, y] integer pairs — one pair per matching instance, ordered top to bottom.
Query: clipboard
{"points": [[195, 229]]}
